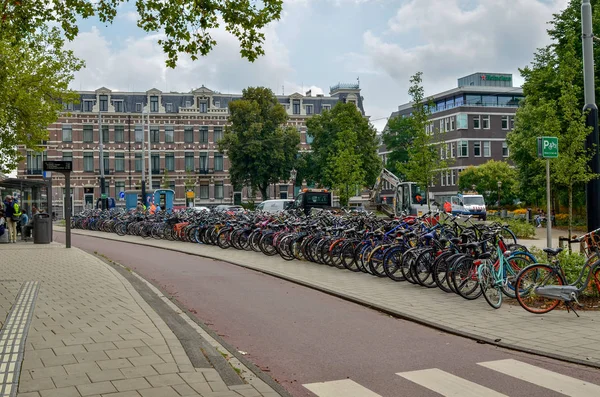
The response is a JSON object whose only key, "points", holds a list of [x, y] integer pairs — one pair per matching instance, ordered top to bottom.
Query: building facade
{"points": [[474, 120], [183, 130]]}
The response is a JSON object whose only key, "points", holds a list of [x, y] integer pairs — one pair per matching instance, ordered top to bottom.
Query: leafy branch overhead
{"points": [[184, 25]]}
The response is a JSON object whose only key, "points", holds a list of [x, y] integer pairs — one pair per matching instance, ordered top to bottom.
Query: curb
{"points": [[362, 302]]}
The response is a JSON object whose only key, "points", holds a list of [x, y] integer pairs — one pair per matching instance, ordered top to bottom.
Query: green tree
{"points": [[184, 25], [34, 79], [328, 128], [398, 137], [262, 150], [424, 161], [346, 170], [485, 178], [166, 180], [190, 180]]}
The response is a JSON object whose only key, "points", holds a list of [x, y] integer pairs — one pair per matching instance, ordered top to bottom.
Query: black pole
{"points": [[129, 145], [593, 187], [143, 192], [68, 205]]}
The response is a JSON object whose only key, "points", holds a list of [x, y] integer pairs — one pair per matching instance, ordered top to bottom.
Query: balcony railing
{"points": [[107, 171], [156, 171], [205, 171], [34, 172]]}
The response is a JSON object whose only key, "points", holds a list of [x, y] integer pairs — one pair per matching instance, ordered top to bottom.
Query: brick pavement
{"points": [[92, 334], [558, 334]]}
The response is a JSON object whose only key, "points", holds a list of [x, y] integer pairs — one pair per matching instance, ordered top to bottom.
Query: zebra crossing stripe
{"points": [[544, 378], [447, 384], [337, 388]]}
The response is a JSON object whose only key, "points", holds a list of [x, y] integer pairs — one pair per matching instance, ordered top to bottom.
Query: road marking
{"points": [[544, 378], [447, 384], [337, 388]]}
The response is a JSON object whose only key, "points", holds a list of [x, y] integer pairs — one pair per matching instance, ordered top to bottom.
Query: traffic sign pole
{"points": [[547, 147], [548, 207]]}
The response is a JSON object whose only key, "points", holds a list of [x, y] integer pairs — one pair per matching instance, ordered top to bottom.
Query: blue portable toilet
{"points": [[133, 196], [164, 198], [110, 201]]}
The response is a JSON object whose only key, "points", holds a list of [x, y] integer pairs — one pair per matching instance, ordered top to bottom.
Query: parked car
{"points": [[275, 205], [227, 207], [201, 209]]}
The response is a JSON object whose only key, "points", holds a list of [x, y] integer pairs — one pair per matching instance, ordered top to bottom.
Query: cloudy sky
{"points": [[318, 43]]}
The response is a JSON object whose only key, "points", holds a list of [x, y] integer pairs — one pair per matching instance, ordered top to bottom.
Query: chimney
{"points": [[308, 93]]}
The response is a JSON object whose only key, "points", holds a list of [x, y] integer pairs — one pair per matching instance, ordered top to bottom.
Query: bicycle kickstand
{"points": [[570, 307]]}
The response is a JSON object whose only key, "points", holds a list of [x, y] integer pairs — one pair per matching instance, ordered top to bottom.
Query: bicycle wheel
{"points": [[347, 256], [391, 263], [515, 263], [421, 270], [532, 277], [464, 278], [489, 287]]}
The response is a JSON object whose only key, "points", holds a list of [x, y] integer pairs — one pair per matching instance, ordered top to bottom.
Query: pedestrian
{"points": [[140, 207], [447, 207], [152, 208], [12, 215], [539, 218], [24, 222], [26, 230], [3, 236]]}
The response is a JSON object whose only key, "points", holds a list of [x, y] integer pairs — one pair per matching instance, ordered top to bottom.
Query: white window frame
{"points": [[188, 104], [138, 107], [169, 107], [311, 107], [326, 107], [478, 118], [505, 119], [485, 120], [511, 122], [452, 123], [447, 124], [441, 126], [476, 144], [489, 148], [459, 149], [506, 149], [453, 151], [453, 177], [447, 178], [442, 179]]}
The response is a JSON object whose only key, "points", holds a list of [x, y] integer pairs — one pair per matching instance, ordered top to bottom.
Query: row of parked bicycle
{"points": [[453, 254]]}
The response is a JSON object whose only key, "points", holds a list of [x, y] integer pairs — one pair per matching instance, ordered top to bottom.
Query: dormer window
{"points": [[104, 103], [154, 104], [188, 104], [217, 104], [88, 105], [118, 105], [202, 106], [138, 107], [169, 107], [296, 108], [309, 109]]}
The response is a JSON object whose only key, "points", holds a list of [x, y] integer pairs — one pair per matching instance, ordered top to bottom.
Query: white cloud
{"points": [[449, 39]]}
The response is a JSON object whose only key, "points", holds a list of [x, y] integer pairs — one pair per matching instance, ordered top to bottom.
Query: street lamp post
{"points": [[293, 174], [499, 187]]}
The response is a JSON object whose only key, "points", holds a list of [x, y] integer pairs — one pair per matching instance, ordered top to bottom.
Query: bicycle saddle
{"points": [[553, 251]]}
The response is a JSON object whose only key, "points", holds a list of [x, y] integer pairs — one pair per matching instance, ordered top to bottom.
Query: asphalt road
{"points": [[300, 336]]}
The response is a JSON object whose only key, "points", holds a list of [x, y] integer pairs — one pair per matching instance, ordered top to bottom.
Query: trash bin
{"points": [[42, 227]]}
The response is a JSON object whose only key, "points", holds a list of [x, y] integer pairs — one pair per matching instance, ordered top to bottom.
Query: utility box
{"points": [[42, 229]]}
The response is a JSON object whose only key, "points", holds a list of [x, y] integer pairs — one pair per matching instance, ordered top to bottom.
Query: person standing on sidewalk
{"points": [[11, 222]]}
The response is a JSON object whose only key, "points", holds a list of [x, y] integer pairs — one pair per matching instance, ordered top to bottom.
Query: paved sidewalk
{"points": [[92, 334], [558, 334]]}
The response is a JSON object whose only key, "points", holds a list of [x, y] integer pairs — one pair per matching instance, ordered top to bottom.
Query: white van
{"points": [[274, 205]]}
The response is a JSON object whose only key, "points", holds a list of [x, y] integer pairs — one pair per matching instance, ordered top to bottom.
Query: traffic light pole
{"points": [[590, 109]]}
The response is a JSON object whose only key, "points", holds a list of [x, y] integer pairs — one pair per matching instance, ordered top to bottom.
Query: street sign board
{"points": [[547, 147], [61, 166], [122, 195], [104, 196]]}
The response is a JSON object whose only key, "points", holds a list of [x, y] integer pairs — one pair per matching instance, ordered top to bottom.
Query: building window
{"points": [[104, 103], [154, 104], [188, 104], [217, 104], [67, 105], [118, 105], [88, 106], [202, 106], [296, 106], [138, 107], [326, 107], [169, 108], [309, 109], [462, 121], [476, 122], [486, 122], [505, 122], [512, 122], [451, 123], [447, 124], [442, 126], [67, 133], [88, 133], [119, 133], [105, 134], [139, 134], [154, 134], [188, 134], [203, 134], [218, 134], [169, 136], [309, 138], [463, 148], [477, 148], [453, 149], [486, 149], [505, 151], [441, 153], [67, 156], [88, 161], [189, 161], [35, 162], [106, 162], [119, 162], [138, 162], [155, 162], [170, 162], [203, 162], [218, 162], [453, 177], [447, 178], [442, 179], [119, 187], [218, 190], [204, 191], [283, 192]]}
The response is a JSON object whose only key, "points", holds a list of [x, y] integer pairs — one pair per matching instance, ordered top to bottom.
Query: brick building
{"points": [[183, 130]]}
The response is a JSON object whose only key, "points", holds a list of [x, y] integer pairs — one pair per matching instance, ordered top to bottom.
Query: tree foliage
{"points": [[184, 25], [34, 77], [327, 129], [398, 137], [262, 150], [424, 161], [346, 170], [485, 178]]}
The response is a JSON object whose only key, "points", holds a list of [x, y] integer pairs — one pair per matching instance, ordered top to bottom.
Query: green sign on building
{"points": [[495, 77], [547, 147]]}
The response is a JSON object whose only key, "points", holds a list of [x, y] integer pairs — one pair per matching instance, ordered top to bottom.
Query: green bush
{"points": [[520, 228]]}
